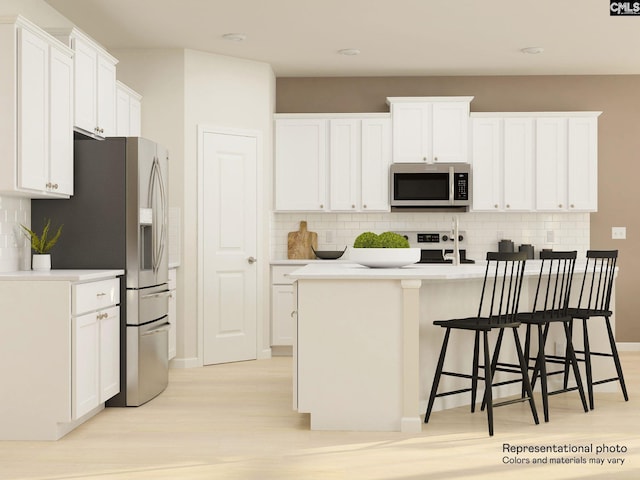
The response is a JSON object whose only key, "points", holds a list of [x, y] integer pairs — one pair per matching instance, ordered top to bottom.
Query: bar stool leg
{"points": [[571, 355], [616, 360], [587, 362], [542, 366], [524, 368], [474, 373], [438, 374], [488, 395]]}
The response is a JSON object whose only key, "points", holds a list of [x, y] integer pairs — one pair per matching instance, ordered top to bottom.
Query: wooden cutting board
{"points": [[299, 243]]}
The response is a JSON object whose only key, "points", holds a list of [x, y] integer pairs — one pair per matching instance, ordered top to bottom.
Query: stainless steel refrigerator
{"points": [[117, 219]]}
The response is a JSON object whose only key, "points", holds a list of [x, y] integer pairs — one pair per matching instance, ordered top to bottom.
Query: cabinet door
{"points": [[86, 83], [106, 97], [33, 112], [135, 113], [61, 123], [123, 126], [411, 130], [449, 130], [344, 159], [375, 162], [301, 164], [487, 164], [518, 164], [551, 164], [583, 164], [282, 316], [109, 353], [85, 361]]}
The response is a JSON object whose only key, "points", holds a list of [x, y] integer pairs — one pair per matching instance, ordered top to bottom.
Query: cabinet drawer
{"points": [[279, 274], [87, 297]]}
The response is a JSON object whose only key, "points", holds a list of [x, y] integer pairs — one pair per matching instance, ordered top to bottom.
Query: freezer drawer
{"points": [[147, 304], [147, 361]]}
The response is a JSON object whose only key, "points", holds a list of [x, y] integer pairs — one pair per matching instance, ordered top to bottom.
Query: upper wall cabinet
{"points": [[95, 79], [36, 93], [128, 110], [430, 129], [535, 161], [334, 163], [503, 163]]}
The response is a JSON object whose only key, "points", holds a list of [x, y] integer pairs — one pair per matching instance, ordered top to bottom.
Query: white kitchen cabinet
{"points": [[95, 83], [36, 85], [128, 111], [430, 129], [347, 159], [502, 159], [535, 161], [567, 162], [300, 164], [282, 306], [173, 313], [96, 344], [59, 355]]}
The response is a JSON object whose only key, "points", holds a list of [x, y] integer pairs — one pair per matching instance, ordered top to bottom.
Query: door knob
{"points": [[251, 260]]}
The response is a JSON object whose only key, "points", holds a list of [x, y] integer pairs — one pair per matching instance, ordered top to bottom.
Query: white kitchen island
{"points": [[366, 349]]}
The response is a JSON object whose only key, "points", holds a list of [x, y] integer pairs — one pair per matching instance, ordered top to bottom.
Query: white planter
{"points": [[384, 257], [41, 262]]}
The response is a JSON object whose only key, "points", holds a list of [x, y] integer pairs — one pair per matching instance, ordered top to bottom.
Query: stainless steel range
{"points": [[435, 245]]}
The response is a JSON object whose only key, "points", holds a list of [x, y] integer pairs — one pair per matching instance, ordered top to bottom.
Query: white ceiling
{"points": [[396, 37]]}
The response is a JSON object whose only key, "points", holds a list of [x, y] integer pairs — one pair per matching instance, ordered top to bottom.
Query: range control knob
{"points": [[445, 238], [460, 238]]}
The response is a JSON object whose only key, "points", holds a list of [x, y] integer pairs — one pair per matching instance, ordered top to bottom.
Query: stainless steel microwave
{"points": [[438, 186]]}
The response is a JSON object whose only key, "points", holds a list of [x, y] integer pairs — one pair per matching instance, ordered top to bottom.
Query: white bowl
{"points": [[384, 257]]}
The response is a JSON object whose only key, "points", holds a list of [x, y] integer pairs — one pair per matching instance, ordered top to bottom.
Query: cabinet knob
{"points": [[424, 159], [435, 159], [48, 185], [55, 186], [321, 205], [353, 206], [364, 206], [495, 206], [508, 206], [560, 206], [573, 206]]}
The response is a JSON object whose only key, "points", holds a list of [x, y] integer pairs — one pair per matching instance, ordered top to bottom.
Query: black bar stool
{"points": [[595, 302], [550, 306], [497, 311]]}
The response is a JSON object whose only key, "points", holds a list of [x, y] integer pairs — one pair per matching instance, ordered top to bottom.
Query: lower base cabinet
{"points": [[282, 306], [59, 352]]}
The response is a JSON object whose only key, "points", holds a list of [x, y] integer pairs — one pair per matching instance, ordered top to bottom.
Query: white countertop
{"points": [[305, 261], [346, 271], [60, 275]]}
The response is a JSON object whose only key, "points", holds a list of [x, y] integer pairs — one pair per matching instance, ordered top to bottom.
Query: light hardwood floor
{"points": [[235, 421]]}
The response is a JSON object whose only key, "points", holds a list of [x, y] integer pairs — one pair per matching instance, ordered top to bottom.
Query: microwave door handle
{"points": [[451, 185]]}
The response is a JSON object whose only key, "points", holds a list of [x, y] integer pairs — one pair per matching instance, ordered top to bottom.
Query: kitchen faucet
{"points": [[455, 256]]}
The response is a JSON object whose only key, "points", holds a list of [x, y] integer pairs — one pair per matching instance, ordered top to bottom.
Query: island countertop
{"points": [[419, 271]]}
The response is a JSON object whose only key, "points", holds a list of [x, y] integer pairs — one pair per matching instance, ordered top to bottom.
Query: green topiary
{"points": [[365, 240], [384, 240], [391, 240]]}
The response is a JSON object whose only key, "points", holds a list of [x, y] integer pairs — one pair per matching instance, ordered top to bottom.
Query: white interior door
{"points": [[229, 241]]}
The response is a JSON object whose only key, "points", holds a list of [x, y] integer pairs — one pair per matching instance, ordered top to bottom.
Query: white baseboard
{"points": [[628, 346], [185, 363]]}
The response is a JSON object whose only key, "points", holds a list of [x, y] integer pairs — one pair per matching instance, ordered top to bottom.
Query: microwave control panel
{"points": [[461, 186]]}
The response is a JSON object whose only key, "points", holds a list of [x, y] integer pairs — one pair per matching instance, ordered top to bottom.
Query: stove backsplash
{"points": [[559, 231]]}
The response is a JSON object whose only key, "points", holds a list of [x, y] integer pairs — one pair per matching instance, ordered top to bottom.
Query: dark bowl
{"points": [[328, 254]]}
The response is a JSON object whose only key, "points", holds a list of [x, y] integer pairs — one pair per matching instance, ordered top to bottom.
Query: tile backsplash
{"points": [[559, 231], [14, 252]]}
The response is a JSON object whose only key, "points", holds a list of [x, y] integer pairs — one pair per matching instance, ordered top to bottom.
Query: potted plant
{"points": [[42, 245], [388, 249]]}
